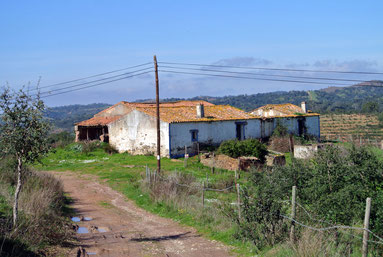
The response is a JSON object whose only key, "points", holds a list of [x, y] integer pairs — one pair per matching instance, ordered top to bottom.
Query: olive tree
{"points": [[23, 133]]}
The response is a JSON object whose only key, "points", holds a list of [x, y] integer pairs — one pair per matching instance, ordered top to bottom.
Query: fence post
{"points": [[291, 142], [199, 157], [186, 159], [213, 166], [146, 173], [150, 177], [235, 177], [207, 179], [203, 194], [238, 202], [293, 206], [366, 225]]}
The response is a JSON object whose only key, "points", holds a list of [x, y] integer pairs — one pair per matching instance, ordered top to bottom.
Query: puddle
{"points": [[87, 218], [76, 219], [82, 230], [101, 230], [90, 253]]}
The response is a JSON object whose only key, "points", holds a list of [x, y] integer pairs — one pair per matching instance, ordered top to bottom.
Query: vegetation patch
{"points": [[248, 147]]}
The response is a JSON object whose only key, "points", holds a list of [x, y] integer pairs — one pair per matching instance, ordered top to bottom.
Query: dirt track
{"points": [[130, 230]]}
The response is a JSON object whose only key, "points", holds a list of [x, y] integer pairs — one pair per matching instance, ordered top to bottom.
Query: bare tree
{"points": [[23, 133]]}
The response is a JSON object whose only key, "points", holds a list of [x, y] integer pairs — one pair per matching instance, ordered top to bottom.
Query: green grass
{"points": [[124, 173]]}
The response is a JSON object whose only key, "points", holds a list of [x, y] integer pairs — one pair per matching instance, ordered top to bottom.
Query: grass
{"points": [[125, 173], [41, 205]]}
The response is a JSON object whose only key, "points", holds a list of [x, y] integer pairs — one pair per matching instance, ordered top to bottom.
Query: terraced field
{"points": [[358, 128]]}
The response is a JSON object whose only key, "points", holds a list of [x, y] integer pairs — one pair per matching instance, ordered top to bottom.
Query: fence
{"points": [[153, 177]]}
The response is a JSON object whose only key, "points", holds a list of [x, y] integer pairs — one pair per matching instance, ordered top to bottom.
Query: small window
{"points": [[194, 135]]}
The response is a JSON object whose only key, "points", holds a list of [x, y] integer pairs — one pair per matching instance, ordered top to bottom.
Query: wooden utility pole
{"points": [[158, 116], [366, 225]]}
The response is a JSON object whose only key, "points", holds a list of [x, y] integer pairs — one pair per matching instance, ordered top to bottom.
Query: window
{"points": [[194, 135]]}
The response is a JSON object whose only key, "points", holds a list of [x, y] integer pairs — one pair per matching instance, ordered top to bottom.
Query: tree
{"points": [[370, 107], [23, 133]]}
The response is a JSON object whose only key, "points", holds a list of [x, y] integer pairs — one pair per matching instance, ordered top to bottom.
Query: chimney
{"points": [[303, 106], [200, 111]]}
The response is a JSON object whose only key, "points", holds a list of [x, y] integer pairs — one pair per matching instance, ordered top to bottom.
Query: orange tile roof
{"points": [[164, 104], [288, 110], [189, 114], [98, 121]]}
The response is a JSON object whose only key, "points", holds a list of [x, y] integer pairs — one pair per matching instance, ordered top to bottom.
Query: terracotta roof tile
{"points": [[164, 104], [288, 110], [189, 113], [98, 121]]}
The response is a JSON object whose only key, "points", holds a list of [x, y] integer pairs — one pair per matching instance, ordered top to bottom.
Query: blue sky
{"points": [[65, 40]]}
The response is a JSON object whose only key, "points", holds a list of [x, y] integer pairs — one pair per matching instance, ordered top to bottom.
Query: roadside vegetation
{"points": [[332, 188], [32, 205], [43, 227]]}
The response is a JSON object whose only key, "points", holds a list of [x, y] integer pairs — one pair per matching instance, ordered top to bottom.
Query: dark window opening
{"points": [[301, 127], [240, 130], [194, 135]]}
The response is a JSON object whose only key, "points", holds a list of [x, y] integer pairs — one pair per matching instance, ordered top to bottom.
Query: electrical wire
{"points": [[274, 69], [263, 74], [96, 75], [252, 78], [89, 82], [102, 83]]}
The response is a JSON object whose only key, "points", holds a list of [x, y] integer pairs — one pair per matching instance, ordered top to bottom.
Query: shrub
{"points": [[280, 131], [61, 139], [248, 147], [109, 149], [42, 219]]}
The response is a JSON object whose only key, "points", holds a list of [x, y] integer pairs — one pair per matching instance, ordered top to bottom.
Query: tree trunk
{"points": [[17, 192]]}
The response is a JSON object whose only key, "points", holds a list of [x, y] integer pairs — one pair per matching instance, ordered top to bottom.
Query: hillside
{"points": [[353, 99], [64, 117], [356, 128]]}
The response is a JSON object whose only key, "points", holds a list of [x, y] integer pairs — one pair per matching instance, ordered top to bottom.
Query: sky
{"points": [[58, 41]]}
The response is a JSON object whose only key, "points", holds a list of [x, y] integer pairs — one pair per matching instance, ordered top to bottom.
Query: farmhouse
{"points": [[298, 120], [131, 127]]}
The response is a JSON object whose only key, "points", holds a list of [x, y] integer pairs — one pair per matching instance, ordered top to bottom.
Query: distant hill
{"points": [[329, 100], [64, 117]]}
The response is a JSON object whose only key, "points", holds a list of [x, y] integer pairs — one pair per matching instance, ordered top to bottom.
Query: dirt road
{"points": [[119, 228]]}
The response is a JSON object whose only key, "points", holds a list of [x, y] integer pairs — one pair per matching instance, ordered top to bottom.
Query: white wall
{"points": [[291, 123], [208, 132], [136, 133]]}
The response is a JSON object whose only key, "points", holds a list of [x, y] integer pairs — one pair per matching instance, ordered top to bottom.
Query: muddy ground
{"points": [[119, 228]]}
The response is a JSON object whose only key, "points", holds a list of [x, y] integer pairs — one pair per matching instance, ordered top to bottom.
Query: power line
{"points": [[275, 69], [263, 74], [96, 75], [252, 78], [90, 82], [102, 83]]}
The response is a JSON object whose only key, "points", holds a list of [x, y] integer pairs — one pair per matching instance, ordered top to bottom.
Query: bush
{"points": [[280, 131], [61, 139], [248, 147], [109, 149], [333, 186], [42, 219]]}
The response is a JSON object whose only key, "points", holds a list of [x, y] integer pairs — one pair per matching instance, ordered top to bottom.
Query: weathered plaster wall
{"points": [[291, 123], [313, 126], [267, 127], [136, 133], [209, 133]]}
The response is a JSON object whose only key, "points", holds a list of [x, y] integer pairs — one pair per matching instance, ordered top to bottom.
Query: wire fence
{"points": [[152, 177]]}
